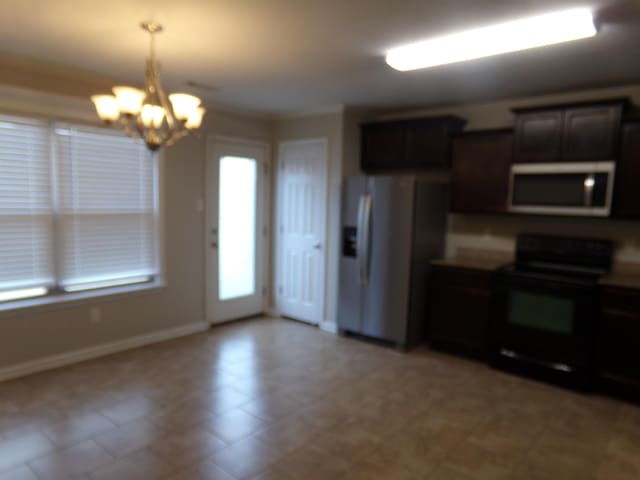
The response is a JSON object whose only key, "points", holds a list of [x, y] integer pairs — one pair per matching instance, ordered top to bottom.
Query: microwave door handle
{"points": [[589, 183]]}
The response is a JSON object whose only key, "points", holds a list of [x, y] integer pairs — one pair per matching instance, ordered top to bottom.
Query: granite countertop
{"points": [[477, 259], [623, 276]]}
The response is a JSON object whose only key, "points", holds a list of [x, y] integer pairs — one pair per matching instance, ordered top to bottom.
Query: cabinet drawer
{"points": [[442, 277], [621, 300]]}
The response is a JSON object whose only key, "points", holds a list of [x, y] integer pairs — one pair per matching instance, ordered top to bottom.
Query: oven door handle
{"points": [[560, 367]]}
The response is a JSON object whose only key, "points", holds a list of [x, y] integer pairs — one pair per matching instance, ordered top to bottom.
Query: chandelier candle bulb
{"points": [[129, 99], [184, 105], [107, 107], [149, 114], [152, 116], [195, 118]]}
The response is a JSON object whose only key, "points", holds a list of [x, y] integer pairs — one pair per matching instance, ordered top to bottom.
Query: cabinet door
{"points": [[591, 133], [538, 137], [428, 143], [414, 144], [382, 146], [480, 172], [626, 200], [460, 302], [618, 358]]}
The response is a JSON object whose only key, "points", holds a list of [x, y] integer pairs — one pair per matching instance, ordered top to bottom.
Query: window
{"points": [[77, 209]]}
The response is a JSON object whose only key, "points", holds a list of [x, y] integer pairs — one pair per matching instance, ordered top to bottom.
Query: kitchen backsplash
{"points": [[479, 235]]}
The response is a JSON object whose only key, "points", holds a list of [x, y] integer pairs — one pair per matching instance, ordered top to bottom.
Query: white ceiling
{"points": [[291, 55]]}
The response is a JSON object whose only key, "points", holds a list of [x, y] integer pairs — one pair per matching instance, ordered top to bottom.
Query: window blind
{"points": [[26, 213], [106, 219]]}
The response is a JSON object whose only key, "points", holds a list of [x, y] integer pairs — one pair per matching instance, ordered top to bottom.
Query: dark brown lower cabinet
{"points": [[459, 306], [618, 342]]}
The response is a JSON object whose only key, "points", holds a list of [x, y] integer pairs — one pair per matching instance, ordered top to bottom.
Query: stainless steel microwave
{"points": [[562, 188]]}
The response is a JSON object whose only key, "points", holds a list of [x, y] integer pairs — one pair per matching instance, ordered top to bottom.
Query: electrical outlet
{"points": [[95, 315]]}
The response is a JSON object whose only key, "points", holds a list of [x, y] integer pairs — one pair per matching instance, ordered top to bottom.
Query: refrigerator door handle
{"points": [[366, 225], [360, 238]]}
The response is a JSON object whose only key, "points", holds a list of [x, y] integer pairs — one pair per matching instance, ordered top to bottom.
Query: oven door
{"points": [[544, 321]]}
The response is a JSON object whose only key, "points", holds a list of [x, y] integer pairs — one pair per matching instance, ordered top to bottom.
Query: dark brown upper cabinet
{"points": [[577, 133], [591, 133], [538, 136], [414, 144], [480, 164], [626, 199]]}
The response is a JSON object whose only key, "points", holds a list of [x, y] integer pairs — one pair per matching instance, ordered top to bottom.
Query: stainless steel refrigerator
{"points": [[392, 227]]}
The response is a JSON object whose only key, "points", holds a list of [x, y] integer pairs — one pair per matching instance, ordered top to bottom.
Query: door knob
{"points": [[214, 244], [317, 245]]}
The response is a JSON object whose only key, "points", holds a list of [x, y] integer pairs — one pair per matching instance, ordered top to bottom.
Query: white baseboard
{"points": [[272, 312], [330, 327], [75, 356]]}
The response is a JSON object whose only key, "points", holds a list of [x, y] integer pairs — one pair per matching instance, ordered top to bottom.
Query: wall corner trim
{"points": [[101, 350]]}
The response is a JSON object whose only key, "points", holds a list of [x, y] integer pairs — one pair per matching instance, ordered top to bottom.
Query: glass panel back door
{"points": [[237, 228], [234, 232]]}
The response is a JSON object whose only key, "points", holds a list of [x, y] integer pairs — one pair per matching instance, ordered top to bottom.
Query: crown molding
{"points": [[23, 101], [313, 112]]}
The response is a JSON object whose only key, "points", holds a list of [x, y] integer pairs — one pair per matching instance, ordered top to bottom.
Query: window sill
{"points": [[70, 300]]}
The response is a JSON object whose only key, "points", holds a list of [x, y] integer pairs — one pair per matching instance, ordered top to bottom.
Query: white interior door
{"points": [[235, 230], [301, 238]]}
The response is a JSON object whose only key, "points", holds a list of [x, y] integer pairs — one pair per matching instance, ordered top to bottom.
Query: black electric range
{"points": [[546, 307]]}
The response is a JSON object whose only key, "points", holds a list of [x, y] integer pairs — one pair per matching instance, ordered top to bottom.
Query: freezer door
{"points": [[350, 277], [387, 286]]}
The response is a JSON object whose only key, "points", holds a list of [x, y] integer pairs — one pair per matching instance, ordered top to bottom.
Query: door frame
{"points": [[211, 192], [278, 241]]}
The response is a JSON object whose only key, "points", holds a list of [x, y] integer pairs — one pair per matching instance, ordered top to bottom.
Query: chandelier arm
{"points": [[152, 47], [165, 103], [123, 124], [131, 132], [177, 135]]}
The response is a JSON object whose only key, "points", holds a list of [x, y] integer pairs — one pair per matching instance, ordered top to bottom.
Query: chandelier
{"points": [[150, 114]]}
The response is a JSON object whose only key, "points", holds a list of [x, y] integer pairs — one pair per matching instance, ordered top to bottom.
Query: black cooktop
{"points": [[577, 255], [576, 260]]}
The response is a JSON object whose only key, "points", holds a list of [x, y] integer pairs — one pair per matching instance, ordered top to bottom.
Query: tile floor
{"points": [[273, 399]]}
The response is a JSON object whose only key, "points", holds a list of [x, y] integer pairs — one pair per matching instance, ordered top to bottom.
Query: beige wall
{"points": [[328, 126], [499, 232], [34, 333]]}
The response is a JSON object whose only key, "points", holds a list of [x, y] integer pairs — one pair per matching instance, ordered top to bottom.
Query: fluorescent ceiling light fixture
{"points": [[523, 34], [22, 293]]}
